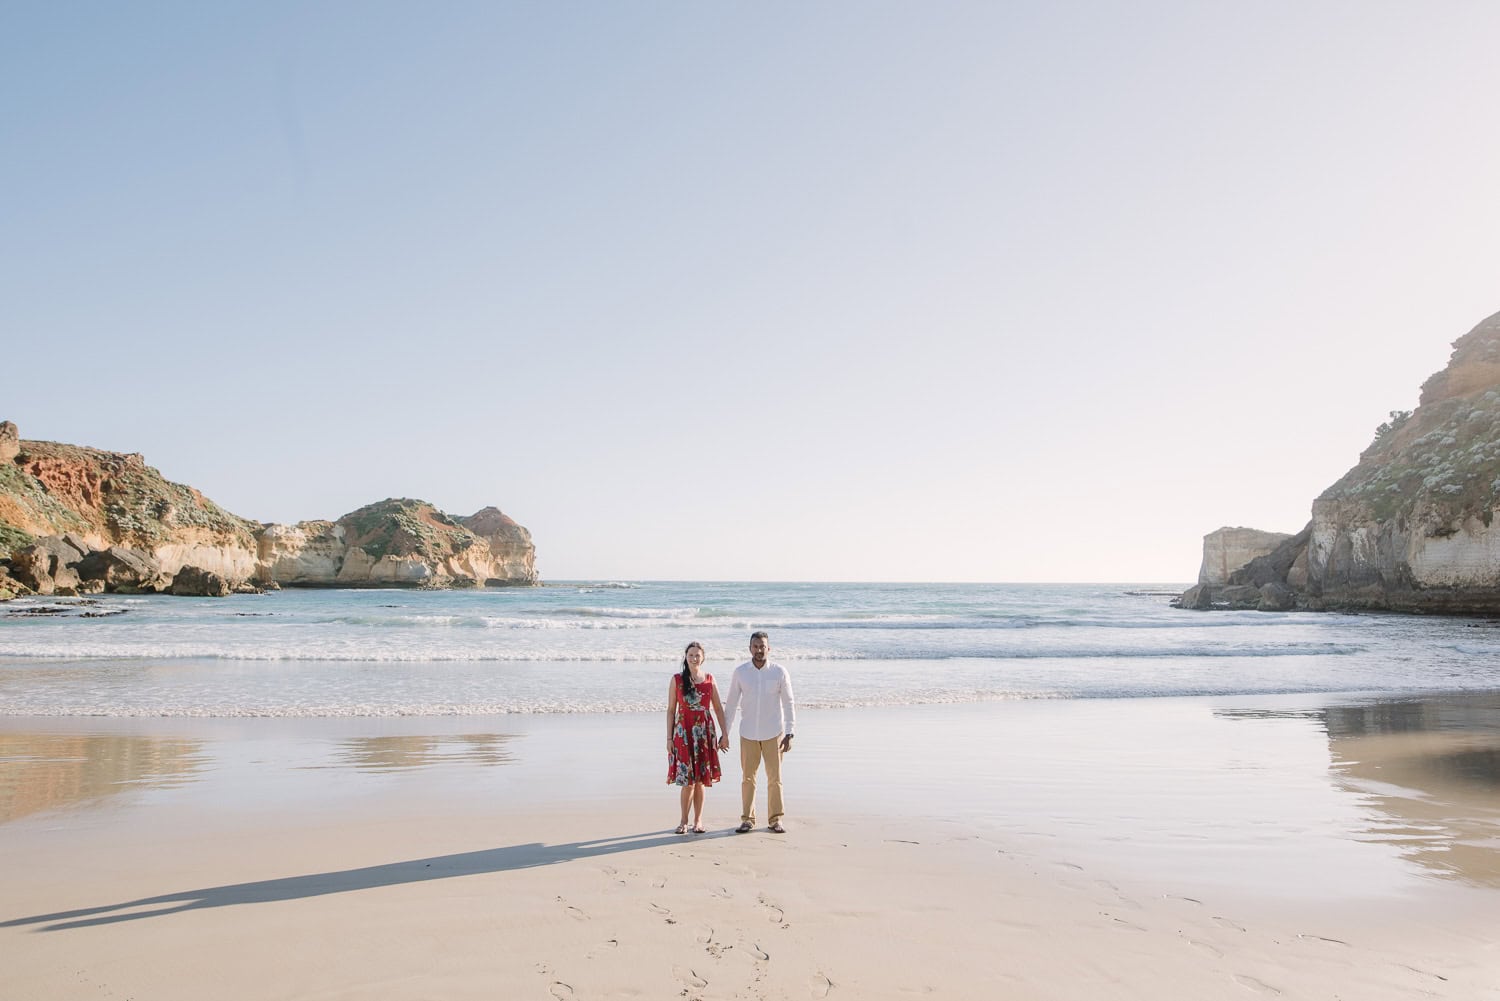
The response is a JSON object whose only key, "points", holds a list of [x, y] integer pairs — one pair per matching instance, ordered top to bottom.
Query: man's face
{"points": [[759, 647]]}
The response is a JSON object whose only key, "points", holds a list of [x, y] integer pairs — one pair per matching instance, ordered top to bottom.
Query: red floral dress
{"points": [[695, 741]]}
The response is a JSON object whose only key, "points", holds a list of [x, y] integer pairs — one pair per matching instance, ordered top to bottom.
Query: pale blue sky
{"points": [[860, 290]]}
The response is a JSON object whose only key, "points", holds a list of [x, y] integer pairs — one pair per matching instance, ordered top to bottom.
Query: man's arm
{"points": [[732, 704], [788, 709]]}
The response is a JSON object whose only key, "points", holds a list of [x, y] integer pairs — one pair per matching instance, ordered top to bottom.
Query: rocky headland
{"points": [[77, 521], [1409, 529]]}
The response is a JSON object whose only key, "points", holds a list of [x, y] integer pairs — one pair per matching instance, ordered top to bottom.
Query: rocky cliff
{"points": [[99, 500], [81, 520], [1411, 527], [399, 543], [510, 544], [1227, 549]]}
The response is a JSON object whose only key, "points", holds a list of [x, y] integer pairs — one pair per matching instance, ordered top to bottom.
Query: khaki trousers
{"points": [[752, 753]]}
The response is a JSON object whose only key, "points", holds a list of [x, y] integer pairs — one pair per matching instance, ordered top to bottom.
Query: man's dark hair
{"points": [[760, 634]]}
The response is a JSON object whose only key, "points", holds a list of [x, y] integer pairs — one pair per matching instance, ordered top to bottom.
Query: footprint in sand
{"points": [[658, 883], [721, 892], [1119, 894], [572, 912], [664, 913], [774, 914], [1122, 923], [1226, 923], [703, 934], [1321, 938], [1205, 947], [602, 948], [759, 953], [1425, 973], [688, 978], [1251, 984], [820, 985], [560, 990]]}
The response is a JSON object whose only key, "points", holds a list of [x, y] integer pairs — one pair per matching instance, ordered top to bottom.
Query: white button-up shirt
{"points": [[766, 695]]}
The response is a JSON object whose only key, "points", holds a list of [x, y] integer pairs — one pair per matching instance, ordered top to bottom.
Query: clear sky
{"points": [[829, 291]]}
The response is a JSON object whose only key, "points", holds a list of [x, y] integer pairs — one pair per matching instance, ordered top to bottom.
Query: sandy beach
{"points": [[1169, 848]]}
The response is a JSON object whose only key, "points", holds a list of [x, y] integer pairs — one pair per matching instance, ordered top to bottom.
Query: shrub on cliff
{"points": [[400, 526]]}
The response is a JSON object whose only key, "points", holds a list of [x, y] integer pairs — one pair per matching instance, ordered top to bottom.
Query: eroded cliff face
{"points": [[106, 499], [80, 520], [1410, 528], [398, 543], [510, 544], [1227, 549], [309, 553]]}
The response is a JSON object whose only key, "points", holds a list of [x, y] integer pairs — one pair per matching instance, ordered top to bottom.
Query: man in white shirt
{"points": [[764, 690]]}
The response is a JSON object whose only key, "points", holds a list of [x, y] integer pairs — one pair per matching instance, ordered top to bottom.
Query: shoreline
{"points": [[1185, 847]]}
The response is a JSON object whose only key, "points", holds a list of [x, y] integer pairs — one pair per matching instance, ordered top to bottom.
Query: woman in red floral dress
{"points": [[692, 746]]}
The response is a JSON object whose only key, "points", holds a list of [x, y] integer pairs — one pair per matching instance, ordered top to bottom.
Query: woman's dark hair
{"points": [[687, 672]]}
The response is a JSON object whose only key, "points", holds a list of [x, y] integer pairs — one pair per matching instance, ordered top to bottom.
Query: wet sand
{"points": [[1311, 847]]}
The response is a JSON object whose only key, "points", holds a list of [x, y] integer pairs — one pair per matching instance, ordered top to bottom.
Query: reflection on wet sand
{"points": [[393, 753], [1432, 766], [1428, 770], [46, 771]]}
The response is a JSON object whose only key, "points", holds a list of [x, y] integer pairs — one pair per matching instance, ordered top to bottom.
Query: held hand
{"points": [[724, 743], [786, 744]]}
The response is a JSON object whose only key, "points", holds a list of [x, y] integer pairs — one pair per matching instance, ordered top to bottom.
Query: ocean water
{"points": [[610, 647]]}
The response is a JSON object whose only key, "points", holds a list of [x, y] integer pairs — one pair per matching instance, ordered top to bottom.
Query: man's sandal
{"points": [[744, 828], [776, 828]]}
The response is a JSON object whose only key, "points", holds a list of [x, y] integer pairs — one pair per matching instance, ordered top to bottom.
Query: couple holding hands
{"points": [[759, 689]]}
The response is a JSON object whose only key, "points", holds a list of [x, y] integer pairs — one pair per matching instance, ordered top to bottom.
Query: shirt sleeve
{"points": [[732, 703], [788, 703]]}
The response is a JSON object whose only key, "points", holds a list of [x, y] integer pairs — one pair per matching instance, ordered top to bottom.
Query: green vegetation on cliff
{"points": [[1443, 458], [1454, 466], [51, 489], [25, 503], [404, 527]]}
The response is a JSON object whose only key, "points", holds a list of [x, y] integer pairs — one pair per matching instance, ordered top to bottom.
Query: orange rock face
{"points": [[77, 484], [108, 499]]}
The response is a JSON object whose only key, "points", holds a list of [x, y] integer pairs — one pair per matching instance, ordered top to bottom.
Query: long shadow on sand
{"points": [[319, 884]]}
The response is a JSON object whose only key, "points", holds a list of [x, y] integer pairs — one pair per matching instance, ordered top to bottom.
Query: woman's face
{"points": [[694, 656]]}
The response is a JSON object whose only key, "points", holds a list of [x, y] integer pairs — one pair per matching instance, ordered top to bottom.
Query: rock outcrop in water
{"points": [[76, 520], [1411, 527], [399, 543], [1225, 550]]}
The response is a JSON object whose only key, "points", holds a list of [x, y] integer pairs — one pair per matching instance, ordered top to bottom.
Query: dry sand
{"points": [[529, 858]]}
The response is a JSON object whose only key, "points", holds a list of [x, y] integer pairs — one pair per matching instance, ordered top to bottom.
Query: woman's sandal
{"points": [[682, 828], [698, 828]]}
